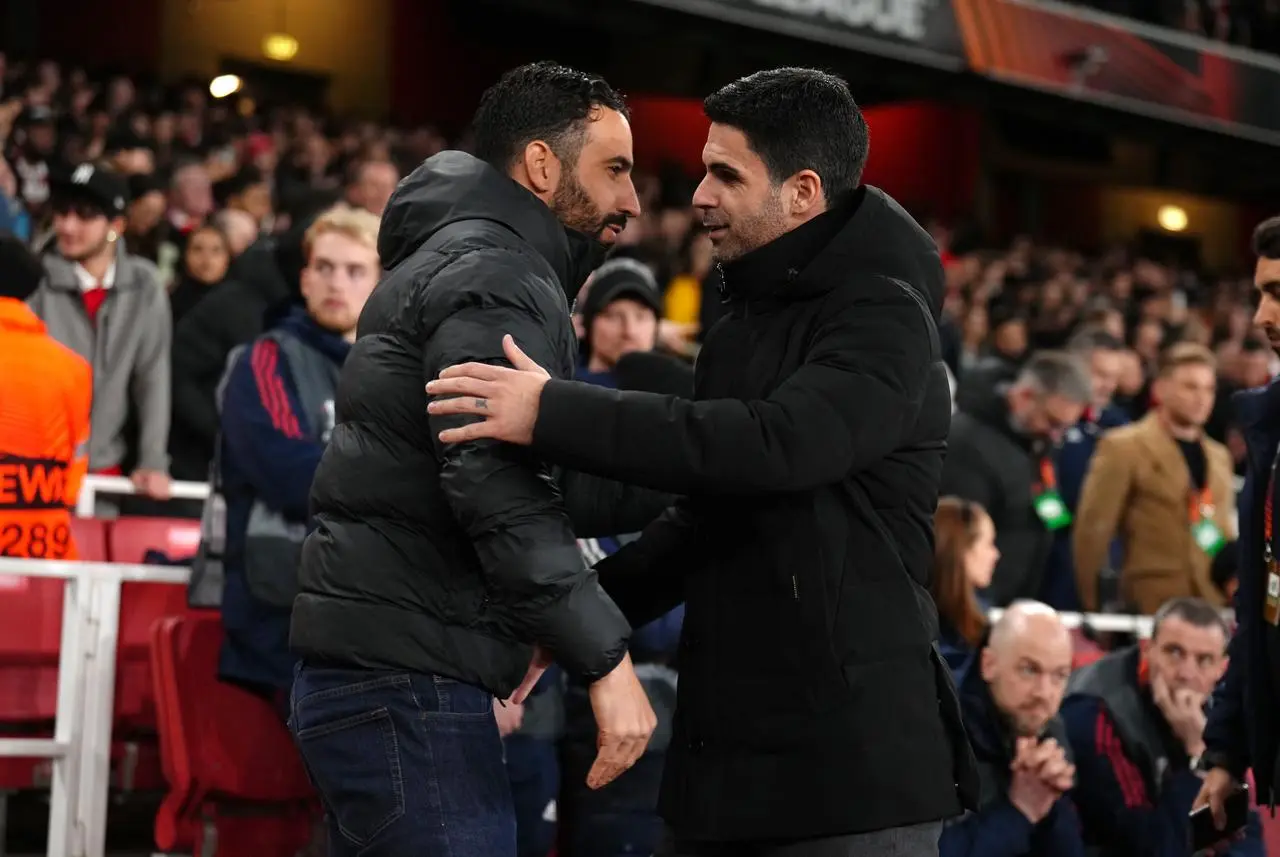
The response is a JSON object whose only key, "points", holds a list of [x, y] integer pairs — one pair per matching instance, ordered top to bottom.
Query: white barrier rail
{"points": [[94, 486], [81, 745]]}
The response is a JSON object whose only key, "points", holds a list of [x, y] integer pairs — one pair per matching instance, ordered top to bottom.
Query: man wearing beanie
{"points": [[109, 307], [619, 316], [44, 427]]}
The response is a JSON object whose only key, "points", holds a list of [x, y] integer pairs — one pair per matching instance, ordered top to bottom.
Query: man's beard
{"points": [[574, 208], [750, 231], [91, 253]]}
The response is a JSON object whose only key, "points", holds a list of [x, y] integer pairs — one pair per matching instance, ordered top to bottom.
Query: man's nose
{"points": [[702, 196], [630, 204]]}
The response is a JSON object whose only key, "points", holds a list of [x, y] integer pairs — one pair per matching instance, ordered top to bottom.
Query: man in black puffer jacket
{"points": [[433, 570]]}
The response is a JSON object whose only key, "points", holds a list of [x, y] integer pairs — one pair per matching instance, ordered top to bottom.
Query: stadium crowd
{"points": [[1090, 395]]}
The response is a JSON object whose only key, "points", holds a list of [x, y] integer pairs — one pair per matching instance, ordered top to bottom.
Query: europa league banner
{"points": [[918, 31], [1146, 70]]}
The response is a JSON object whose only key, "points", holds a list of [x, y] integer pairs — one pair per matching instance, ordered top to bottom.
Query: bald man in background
{"points": [[1010, 707]]}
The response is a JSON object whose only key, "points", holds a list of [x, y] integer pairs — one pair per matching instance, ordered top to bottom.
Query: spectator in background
{"points": [[128, 153], [370, 185], [247, 191], [190, 202], [144, 216], [240, 228], [204, 266], [110, 308], [1100, 352], [277, 414], [44, 420], [1001, 456], [1165, 490], [966, 555], [1010, 710], [1136, 722]]}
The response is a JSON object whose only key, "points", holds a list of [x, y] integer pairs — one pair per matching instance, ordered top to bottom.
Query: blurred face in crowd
{"points": [[41, 138], [134, 161], [373, 186], [192, 192], [592, 192], [254, 200], [741, 206], [145, 212], [240, 228], [82, 229], [207, 256], [340, 274], [1266, 279], [624, 326], [1010, 338], [1147, 340], [1105, 365], [1255, 368], [1131, 373], [1186, 394], [1041, 416], [982, 554], [1188, 657], [1026, 666]]}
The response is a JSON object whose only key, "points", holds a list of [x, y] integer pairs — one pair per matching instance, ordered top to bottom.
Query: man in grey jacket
{"points": [[110, 308]]}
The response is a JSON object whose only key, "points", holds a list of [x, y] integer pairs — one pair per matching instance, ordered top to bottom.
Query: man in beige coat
{"points": [[1164, 489]]}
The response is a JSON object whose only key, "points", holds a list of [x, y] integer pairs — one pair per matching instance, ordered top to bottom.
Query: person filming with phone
{"points": [[1136, 720]]}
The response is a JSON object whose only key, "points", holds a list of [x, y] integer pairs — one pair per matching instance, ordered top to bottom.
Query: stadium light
{"points": [[280, 47], [224, 85], [1172, 218]]}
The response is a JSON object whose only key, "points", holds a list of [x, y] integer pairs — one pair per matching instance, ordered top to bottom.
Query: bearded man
{"points": [[434, 570]]}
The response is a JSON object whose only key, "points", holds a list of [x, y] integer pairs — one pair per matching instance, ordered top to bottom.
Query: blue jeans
{"points": [[407, 764]]}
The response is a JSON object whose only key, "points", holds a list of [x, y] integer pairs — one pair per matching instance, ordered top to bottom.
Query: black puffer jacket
{"points": [[452, 559], [812, 701]]}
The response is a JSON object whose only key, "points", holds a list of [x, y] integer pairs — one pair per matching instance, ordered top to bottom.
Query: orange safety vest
{"points": [[46, 391]]}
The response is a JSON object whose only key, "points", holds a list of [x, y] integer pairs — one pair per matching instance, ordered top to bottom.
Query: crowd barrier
{"points": [[80, 749]]}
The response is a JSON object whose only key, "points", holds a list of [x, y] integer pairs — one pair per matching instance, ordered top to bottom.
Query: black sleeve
{"points": [[199, 361], [849, 405], [504, 497], [603, 507], [646, 577]]}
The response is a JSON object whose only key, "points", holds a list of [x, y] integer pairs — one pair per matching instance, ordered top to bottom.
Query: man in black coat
{"points": [[434, 569], [814, 716]]}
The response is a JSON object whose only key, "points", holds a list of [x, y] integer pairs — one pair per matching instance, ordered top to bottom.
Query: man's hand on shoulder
{"points": [[507, 398]]}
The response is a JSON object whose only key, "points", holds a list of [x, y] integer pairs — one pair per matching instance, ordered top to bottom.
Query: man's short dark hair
{"points": [[539, 101], [797, 119], [1266, 239], [20, 269], [1093, 338], [1194, 611]]}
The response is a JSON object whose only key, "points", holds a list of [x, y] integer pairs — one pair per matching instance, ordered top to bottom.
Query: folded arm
{"points": [[849, 405]]}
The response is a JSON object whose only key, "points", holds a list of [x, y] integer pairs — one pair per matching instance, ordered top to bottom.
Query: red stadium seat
{"points": [[30, 640], [224, 751]]}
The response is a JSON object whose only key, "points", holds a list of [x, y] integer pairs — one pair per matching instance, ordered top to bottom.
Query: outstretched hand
{"points": [[507, 398]]}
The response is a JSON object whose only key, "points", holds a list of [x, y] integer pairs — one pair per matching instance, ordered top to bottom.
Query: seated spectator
{"points": [[246, 191], [239, 227], [95, 292], [277, 415], [1001, 454], [965, 555], [1010, 710], [1136, 720]]}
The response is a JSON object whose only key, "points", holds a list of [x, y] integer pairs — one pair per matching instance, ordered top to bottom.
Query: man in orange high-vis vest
{"points": [[45, 394]]}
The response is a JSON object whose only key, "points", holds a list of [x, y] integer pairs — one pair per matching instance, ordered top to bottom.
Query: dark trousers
{"points": [[407, 764], [533, 769], [917, 840]]}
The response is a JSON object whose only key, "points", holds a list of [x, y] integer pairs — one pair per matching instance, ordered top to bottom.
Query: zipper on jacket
{"points": [[795, 588]]}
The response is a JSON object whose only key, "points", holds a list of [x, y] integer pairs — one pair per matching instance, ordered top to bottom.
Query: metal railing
{"points": [[95, 486]]}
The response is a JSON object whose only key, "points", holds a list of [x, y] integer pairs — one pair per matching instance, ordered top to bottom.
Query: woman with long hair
{"points": [[965, 555]]}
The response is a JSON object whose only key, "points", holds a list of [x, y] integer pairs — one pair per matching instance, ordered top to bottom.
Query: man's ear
{"points": [[541, 167], [807, 198]]}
